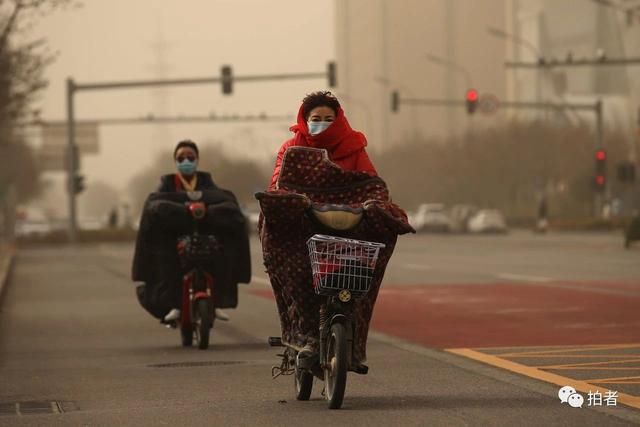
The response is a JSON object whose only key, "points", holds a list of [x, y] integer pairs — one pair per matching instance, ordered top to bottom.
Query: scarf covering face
{"points": [[338, 139], [307, 177]]}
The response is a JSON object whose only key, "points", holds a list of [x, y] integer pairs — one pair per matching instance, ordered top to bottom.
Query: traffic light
{"points": [[332, 78], [227, 79], [395, 101], [472, 101], [601, 169], [627, 172], [78, 184]]}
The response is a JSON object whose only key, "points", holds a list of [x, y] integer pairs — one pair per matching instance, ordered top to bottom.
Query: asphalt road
{"points": [[76, 349]]}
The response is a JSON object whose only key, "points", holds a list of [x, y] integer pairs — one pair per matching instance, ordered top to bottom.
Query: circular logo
{"points": [[489, 103], [344, 295]]}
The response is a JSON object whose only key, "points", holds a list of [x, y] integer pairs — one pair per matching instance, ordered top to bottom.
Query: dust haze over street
{"points": [[461, 177]]}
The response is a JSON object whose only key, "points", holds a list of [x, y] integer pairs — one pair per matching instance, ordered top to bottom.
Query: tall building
{"points": [[573, 30], [384, 46]]}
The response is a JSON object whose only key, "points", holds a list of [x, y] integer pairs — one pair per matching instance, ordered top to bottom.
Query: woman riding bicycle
{"points": [[321, 124]]}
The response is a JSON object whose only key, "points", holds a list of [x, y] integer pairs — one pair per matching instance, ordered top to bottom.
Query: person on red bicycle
{"points": [[187, 178]]}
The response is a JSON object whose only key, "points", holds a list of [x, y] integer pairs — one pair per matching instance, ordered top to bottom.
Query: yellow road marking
{"points": [[572, 349], [578, 356], [586, 365], [584, 368], [532, 372], [616, 380]]}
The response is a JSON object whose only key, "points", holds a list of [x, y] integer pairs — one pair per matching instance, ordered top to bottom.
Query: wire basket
{"points": [[338, 263]]}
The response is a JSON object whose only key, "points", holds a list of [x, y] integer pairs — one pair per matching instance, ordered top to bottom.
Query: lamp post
{"points": [[496, 32], [454, 65], [460, 69]]}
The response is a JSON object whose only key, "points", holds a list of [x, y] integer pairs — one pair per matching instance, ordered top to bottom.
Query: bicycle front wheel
{"points": [[335, 373]]}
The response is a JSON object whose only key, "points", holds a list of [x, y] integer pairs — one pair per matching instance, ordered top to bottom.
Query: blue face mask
{"points": [[317, 127], [187, 167]]}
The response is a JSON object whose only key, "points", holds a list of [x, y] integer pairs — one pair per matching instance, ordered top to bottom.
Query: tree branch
{"points": [[11, 22]]}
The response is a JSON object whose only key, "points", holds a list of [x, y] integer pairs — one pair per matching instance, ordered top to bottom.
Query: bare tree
{"points": [[22, 64], [508, 167]]}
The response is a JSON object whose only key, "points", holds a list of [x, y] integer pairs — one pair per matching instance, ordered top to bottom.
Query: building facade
{"points": [[576, 30], [424, 49]]}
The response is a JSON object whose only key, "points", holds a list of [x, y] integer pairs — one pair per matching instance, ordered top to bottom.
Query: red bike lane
{"points": [[508, 314]]}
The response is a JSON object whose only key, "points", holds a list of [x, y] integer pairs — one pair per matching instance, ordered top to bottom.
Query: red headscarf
{"points": [[338, 139]]}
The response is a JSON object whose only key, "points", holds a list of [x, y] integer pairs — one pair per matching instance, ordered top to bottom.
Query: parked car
{"points": [[460, 215], [431, 217], [32, 220], [488, 221], [26, 227]]}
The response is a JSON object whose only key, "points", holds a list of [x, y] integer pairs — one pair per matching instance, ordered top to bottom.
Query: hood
{"points": [[338, 139]]}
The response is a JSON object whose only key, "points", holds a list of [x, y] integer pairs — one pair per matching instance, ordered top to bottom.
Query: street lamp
{"points": [[496, 32], [519, 40], [442, 61], [462, 70]]}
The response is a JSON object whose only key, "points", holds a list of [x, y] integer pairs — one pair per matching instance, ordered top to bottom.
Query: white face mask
{"points": [[317, 127]]}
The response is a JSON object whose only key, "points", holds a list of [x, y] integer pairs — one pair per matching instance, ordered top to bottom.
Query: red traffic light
{"points": [[472, 100], [601, 155], [600, 180]]}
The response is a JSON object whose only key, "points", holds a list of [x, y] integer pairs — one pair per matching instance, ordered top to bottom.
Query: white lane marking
{"points": [[417, 266], [524, 277], [262, 280]]}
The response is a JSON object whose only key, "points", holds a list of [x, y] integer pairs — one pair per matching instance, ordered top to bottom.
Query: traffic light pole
{"points": [[136, 84], [73, 87], [596, 108], [72, 167]]}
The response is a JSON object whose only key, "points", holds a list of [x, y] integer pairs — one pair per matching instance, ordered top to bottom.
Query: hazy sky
{"points": [[117, 40]]}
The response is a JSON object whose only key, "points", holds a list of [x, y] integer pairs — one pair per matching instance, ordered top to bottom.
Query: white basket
{"points": [[338, 263]]}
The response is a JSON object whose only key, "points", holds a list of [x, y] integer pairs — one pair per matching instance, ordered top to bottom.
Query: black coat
{"points": [[168, 182], [165, 217]]}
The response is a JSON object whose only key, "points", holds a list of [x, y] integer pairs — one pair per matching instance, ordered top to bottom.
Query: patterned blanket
{"points": [[308, 177]]}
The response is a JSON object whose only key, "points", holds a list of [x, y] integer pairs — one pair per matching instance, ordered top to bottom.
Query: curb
{"points": [[5, 269]]}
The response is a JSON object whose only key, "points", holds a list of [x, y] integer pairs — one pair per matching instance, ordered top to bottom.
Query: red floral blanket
{"points": [[308, 177]]}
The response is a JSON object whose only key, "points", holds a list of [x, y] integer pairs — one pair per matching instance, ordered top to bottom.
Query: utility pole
{"points": [[384, 62], [553, 63], [73, 87], [596, 108], [72, 167]]}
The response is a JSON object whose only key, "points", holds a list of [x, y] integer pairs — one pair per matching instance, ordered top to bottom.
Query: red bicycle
{"points": [[197, 253]]}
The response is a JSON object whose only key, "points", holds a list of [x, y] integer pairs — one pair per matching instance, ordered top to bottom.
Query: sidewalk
{"points": [[7, 254]]}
